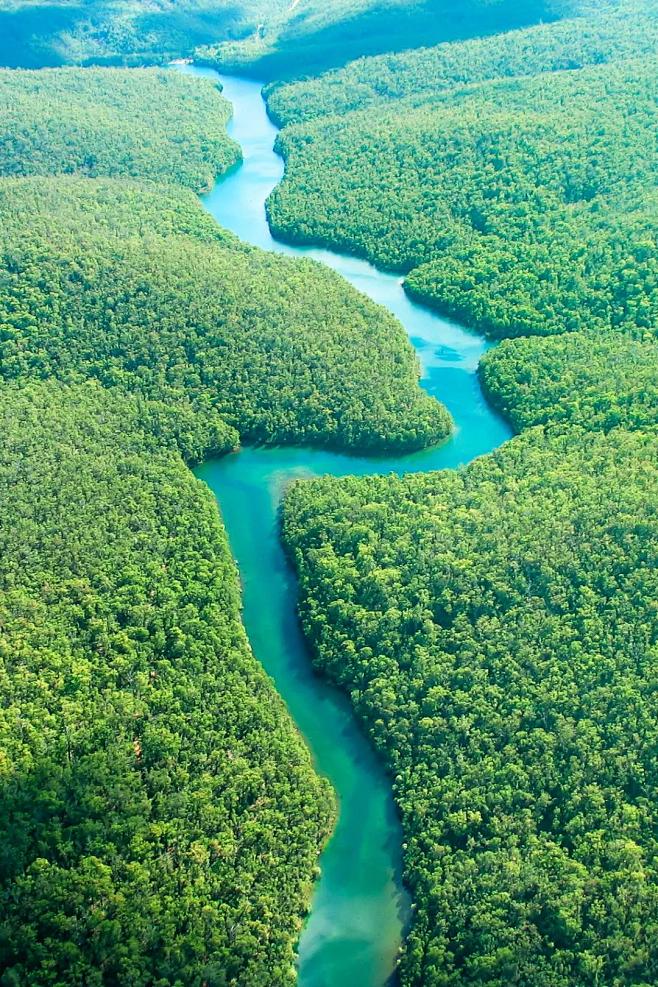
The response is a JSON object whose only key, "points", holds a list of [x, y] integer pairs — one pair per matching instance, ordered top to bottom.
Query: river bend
{"points": [[359, 907]]}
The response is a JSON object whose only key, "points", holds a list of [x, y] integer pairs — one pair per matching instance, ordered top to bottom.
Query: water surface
{"points": [[359, 908]]}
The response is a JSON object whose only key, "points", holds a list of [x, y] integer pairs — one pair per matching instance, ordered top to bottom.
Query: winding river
{"points": [[359, 907]]}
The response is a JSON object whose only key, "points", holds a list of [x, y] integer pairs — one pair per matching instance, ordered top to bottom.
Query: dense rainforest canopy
{"points": [[620, 29], [37, 33], [309, 35], [266, 37], [156, 125], [514, 179], [509, 212], [136, 287], [281, 349], [597, 381], [494, 627], [496, 630], [159, 816]]}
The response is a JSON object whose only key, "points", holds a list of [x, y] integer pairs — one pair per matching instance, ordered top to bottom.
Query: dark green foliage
{"points": [[35, 33], [264, 36], [310, 36], [152, 124], [518, 205], [282, 350], [599, 382], [496, 630], [159, 815]]}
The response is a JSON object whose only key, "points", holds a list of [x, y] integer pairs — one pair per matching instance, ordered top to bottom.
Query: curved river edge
{"points": [[360, 908]]}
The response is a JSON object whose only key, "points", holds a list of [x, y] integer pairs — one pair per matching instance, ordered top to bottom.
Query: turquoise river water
{"points": [[359, 908]]}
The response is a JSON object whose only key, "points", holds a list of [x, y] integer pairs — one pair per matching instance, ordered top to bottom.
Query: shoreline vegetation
{"points": [[262, 38], [308, 38], [520, 174], [516, 223], [445, 604], [152, 773]]}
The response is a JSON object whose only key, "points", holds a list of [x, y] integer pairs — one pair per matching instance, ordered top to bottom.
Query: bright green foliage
{"points": [[620, 30], [152, 124], [519, 206], [79, 209], [282, 350], [599, 382], [496, 629], [159, 814]]}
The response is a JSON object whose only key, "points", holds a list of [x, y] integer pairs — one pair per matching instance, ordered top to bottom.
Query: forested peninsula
{"points": [[513, 180], [504, 209], [496, 630], [160, 816]]}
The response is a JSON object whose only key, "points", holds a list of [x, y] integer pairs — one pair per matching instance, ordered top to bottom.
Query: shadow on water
{"points": [[360, 908]]}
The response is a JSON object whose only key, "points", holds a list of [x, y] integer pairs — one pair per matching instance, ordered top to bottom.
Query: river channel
{"points": [[359, 907]]}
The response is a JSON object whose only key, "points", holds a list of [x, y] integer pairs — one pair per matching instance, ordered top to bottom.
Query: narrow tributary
{"points": [[359, 908]]}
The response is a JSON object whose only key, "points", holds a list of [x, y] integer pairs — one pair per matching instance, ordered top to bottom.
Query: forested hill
{"points": [[617, 31], [38, 33], [268, 35], [309, 35], [267, 38], [149, 124], [514, 180], [519, 206], [283, 350], [599, 382], [160, 818]]}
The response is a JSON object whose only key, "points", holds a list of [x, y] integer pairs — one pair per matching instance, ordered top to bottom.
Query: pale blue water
{"points": [[359, 908]]}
